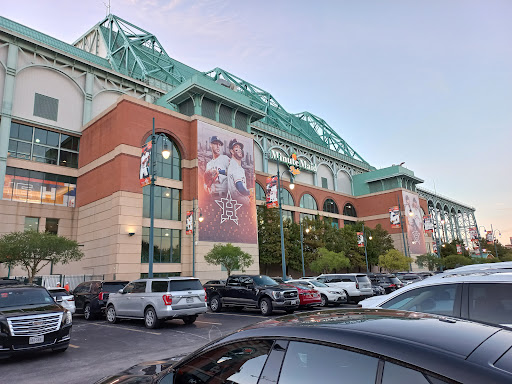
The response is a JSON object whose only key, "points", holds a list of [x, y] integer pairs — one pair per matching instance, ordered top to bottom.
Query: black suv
{"points": [[387, 281], [91, 296], [31, 320]]}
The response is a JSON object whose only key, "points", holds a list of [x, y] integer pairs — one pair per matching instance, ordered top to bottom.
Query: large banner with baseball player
{"points": [[226, 186], [272, 201], [394, 217], [413, 218]]}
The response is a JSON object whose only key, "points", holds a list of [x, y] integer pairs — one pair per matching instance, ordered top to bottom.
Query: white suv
{"points": [[357, 286], [474, 293], [328, 294], [158, 299]]}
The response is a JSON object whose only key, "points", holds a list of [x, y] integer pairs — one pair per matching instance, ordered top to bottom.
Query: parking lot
{"points": [[98, 349]]}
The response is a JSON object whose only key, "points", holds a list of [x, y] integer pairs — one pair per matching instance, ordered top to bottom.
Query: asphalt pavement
{"points": [[99, 349]]}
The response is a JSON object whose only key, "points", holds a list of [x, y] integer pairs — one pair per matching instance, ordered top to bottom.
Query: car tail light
{"points": [[357, 285], [392, 285], [100, 295], [205, 295], [72, 298], [167, 299]]}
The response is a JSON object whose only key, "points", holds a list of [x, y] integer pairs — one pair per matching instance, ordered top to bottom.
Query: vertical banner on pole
{"points": [[145, 161], [272, 201], [394, 217], [190, 223], [428, 225], [489, 237], [360, 239], [434, 247], [459, 249]]}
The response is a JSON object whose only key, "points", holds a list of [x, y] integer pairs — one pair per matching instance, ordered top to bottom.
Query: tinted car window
{"points": [[362, 279], [264, 280], [234, 281], [317, 283], [185, 285], [95, 286], [159, 286], [84, 287], [112, 287], [129, 287], [139, 287], [57, 293], [24, 296], [439, 299], [491, 303], [241, 362], [308, 362], [396, 374]]}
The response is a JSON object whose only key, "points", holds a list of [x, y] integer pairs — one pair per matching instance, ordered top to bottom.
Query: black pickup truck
{"points": [[252, 291]]}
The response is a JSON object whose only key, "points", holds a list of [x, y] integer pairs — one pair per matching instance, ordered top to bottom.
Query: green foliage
{"points": [[269, 236], [34, 250], [229, 256], [394, 260], [328, 261], [430, 261], [453, 261]]}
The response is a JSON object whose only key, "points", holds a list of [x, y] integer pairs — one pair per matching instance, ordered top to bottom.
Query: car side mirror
{"points": [[121, 291], [58, 299]]}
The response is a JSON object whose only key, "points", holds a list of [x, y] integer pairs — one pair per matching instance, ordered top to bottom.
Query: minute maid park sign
{"points": [[294, 163]]}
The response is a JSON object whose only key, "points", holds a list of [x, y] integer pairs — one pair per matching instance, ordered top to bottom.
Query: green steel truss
{"points": [[134, 52], [137, 53], [303, 124]]}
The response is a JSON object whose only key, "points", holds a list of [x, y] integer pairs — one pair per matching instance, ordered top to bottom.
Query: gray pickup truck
{"points": [[252, 291]]}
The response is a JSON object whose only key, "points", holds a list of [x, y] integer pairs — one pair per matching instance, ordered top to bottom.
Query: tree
{"points": [[269, 236], [34, 250], [229, 256], [394, 260], [429, 260], [329, 261], [453, 261]]}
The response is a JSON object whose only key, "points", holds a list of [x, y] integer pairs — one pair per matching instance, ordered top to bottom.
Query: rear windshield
{"points": [[363, 279], [184, 285], [113, 287], [58, 292], [24, 296]]}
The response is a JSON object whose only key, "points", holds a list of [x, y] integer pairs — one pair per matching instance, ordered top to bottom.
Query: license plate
{"points": [[190, 300], [295, 302], [35, 339]]}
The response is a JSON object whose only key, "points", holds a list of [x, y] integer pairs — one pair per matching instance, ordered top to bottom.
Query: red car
{"points": [[308, 297]]}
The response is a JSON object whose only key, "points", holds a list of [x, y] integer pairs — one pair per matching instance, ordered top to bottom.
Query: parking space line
{"points": [[237, 314], [207, 322], [128, 329], [74, 346]]}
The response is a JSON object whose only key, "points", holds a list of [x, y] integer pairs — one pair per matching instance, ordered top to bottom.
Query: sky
{"points": [[426, 82]]}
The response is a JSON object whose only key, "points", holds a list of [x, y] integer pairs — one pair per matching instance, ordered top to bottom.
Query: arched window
{"points": [[169, 168], [260, 192], [286, 197], [307, 201], [330, 206], [349, 210], [287, 215]]}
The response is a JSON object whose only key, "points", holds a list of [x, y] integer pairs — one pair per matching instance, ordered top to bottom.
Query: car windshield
{"points": [[264, 280], [394, 280], [317, 283], [113, 287], [58, 292], [24, 296]]}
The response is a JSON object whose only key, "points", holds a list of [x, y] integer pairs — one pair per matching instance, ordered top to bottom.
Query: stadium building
{"points": [[76, 118]]}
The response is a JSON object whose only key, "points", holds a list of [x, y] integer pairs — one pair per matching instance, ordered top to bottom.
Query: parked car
{"points": [[410, 278], [7, 281], [387, 281], [212, 282], [357, 286], [378, 290], [253, 291], [328, 294], [91, 296], [308, 296], [484, 297], [63, 298], [158, 299], [31, 320], [354, 346]]}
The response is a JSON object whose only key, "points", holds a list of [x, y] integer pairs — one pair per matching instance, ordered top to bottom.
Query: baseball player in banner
{"points": [[227, 181]]}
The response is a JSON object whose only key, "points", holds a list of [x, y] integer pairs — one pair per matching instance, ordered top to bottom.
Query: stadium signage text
{"points": [[292, 162]]}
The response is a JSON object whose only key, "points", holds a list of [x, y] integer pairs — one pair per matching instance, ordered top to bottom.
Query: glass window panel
{"points": [[14, 130], [25, 132], [40, 136], [52, 139], [69, 142], [13, 148], [23, 150], [45, 154], [68, 159], [167, 171], [20, 185], [8, 187], [260, 192], [145, 205], [158, 208], [166, 208], [287, 215], [31, 223], [52, 225], [166, 246], [176, 246], [490, 303], [304, 361], [396, 374]]}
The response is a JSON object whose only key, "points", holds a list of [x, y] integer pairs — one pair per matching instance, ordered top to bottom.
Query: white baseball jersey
{"points": [[235, 174], [219, 185]]}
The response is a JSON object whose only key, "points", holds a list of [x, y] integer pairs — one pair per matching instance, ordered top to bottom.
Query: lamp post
{"points": [[165, 153], [279, 199], [201, 218], [493, 231], [302, 248], [365, 253]]}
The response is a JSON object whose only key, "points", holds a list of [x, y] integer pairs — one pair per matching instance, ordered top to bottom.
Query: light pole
{"points": [[165, 154], [279, 199], [201, 218], [493, 231], [302, 248], [365, 253]]}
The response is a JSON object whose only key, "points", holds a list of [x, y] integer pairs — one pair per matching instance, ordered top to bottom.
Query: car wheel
{"points": [[348, 298], [324, 302], [215, 304], [265, 306], [290, 311], [88, 315], [111, 315], [150, 318], [189, 319], [60, 350]]}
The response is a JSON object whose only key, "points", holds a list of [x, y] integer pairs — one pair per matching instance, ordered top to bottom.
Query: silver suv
{"points": [[158, 299]]}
